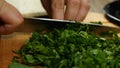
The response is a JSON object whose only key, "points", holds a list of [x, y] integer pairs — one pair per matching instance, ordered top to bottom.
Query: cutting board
{"points": [[14, 41]]}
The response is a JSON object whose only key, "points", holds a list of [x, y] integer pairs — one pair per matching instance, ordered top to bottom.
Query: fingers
{"points": [[47, 5], [54, 8], [84, 8], [58, 9], [72, 9], [75, 9], [11, 18]]}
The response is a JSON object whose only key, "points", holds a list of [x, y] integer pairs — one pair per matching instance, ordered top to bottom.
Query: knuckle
{"points": [[75, 3], [59, 4], [87, 5], [19, 21]]}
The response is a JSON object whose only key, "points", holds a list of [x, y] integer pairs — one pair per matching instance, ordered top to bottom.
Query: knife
{"points": [[34, 24]]}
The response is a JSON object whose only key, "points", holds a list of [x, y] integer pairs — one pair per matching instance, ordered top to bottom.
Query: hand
{"points": [[75, 9], [10, 17]]}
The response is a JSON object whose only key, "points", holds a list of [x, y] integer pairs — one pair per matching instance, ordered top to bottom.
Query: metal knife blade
{"points": [[54, 21], [33, 24]]}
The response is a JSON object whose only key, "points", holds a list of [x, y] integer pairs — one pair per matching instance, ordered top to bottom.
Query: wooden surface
{"points": [[14, 41]]}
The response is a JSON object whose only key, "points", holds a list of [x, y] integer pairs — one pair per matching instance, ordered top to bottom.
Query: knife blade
{"points": [[54, 21], [34, 24]]}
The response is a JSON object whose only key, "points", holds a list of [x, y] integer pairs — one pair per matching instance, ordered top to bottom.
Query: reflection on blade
{"points": [[35, 24]]}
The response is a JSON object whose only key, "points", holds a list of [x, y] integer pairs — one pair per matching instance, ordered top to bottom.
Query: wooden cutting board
{"points": [[15, 40]]}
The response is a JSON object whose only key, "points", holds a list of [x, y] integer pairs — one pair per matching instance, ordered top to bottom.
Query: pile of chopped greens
{"points": [[75, 46]]}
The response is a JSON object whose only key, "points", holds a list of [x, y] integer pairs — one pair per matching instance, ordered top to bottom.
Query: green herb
{"points": [[97, 22], [74, 46], [18, 65]]}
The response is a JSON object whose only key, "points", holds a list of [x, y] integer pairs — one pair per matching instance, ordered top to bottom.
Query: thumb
{"points": [[10, 17]]}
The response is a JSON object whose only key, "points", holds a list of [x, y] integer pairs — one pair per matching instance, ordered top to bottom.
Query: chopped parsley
{"points": [[75, 46]]}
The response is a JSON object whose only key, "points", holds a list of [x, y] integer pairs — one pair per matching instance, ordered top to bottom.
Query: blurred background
{"points": [[98, 5], [34, 6]]}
